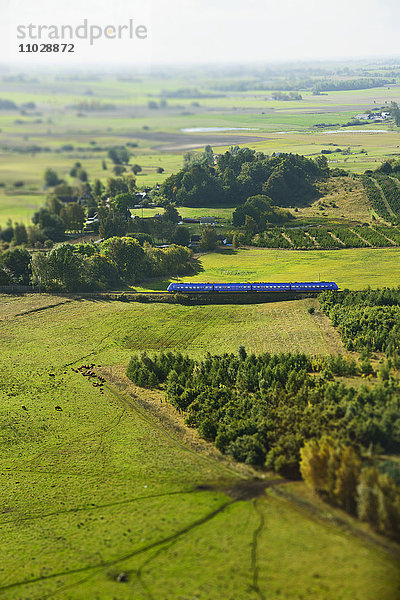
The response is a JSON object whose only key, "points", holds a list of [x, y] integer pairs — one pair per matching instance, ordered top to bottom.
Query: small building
{"points": [[86, 196]]}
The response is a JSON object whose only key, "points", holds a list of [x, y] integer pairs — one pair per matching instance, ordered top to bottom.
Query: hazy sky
{"points": [[209, 31]]}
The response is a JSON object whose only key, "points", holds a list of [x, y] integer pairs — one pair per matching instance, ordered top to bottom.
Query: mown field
{"points": [[103, 487]]}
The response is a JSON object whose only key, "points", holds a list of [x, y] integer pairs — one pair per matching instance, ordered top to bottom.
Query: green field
{"points": [[351, 268], [103, 486]]}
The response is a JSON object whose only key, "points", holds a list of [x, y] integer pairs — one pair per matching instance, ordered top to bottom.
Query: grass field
{"points": [[221, 214], [351, 268], [100, 487]]}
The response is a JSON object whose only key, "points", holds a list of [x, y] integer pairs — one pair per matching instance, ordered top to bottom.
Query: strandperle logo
{"points": [[84, 31]]}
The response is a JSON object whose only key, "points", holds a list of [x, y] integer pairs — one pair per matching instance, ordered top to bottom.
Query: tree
{"points": [[395, 112], [119, 155], [209, 156], [322, 164], [119, 169], [136, 169], [73, 172], [82, 175], [51, 178], [116, 185], [98, 188], [65, 193], [122, 203], [54, 205], [257, 212], [171, 214], [73, 216], [112, 223], [250, 224], [50, 225], [162, 229], [6, 234], [20, 235], [181, 236], [209, 238], [127, 255], [16, 263], [65, 267], [41, 271], [100, 272], [4, 277], [242, 354], [318, 464], [347, 478], [367, 495]]}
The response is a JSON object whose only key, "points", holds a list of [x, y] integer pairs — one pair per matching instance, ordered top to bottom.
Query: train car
{"points": [[296, 286], [313, 286], [190, 287], [232, 287], [270, 287]]}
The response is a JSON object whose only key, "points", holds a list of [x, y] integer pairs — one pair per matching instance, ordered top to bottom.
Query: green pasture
{"points": [[19, 204], [353, 268], [221, 328], [101, 486]]}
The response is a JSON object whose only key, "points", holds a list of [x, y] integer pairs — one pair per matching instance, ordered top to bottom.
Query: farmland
{"points": [[70, 121], [99, 488], [106, 492]]}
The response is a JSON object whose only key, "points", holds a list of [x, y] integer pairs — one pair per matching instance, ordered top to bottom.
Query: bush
{"points": [[181, 298]]}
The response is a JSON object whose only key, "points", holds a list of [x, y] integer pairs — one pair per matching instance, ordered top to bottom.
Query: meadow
{"points": [[109, 484]]}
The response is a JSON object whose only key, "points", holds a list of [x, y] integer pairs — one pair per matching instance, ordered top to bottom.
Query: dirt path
{"points": [[386, 203], [386, 237], [287, 238], [312, 238], [361, 238], [336, 239], [330, 334]]}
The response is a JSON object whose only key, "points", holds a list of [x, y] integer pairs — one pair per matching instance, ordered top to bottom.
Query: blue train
{"points": [[306, 286]]}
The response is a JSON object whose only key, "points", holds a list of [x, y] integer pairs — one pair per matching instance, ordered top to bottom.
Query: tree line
{"points": [[87, 266], [361, 486]]}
